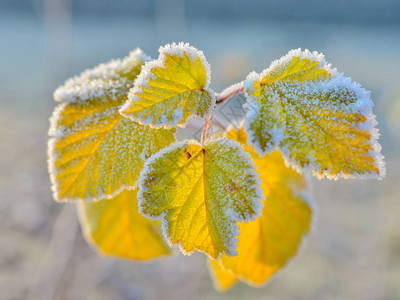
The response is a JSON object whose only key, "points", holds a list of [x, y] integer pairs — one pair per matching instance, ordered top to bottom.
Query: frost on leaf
{"points": [[107, 81], [171, 89], [315, 116], [94, 152], [200, 192], [115, 227], [267, 244]]}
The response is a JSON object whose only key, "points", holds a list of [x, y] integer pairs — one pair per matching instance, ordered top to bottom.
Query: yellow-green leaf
{"points": [[172, 88], [315, 116], [94, 152], [200, 192], [115, 227], [268, 243]]}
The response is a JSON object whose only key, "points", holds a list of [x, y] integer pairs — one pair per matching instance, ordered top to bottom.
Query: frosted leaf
{"points": [[298, 66], [107, 81], [171, 88], [315, 116], [94, 152], [199, 193], [115, 227], [267, 244]]}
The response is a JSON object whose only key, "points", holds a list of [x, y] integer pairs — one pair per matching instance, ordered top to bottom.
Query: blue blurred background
{"points": [[354, 252]]}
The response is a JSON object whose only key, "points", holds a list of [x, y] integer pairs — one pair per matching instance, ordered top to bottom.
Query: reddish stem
{"points": [[229, 92], [206, 128]]}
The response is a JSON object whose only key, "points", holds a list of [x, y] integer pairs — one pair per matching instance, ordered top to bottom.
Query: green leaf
{"points": [[171, 89], [315, 116], [94, 152], [200, 192], [267, 244]]}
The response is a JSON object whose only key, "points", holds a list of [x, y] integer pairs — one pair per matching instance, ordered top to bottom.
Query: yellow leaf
{"points": [[298, 66], [172, 88], [315, 116], [94, 152], [200, 192], [115, 227], [268, 243], [223, 279]]}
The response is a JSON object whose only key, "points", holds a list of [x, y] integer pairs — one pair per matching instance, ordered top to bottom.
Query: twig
{"points": [[229, 92], [206, 128]]}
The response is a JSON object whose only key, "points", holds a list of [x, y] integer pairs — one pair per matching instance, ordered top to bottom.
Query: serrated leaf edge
{"points": [[145, 75], [71, 91], [363, 105], [54, 135], [307, 197], [257, 201]]}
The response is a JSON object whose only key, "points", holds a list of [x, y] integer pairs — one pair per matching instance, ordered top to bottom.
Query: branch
{"points": [[233, 90], [229, 92], [204, 134]]}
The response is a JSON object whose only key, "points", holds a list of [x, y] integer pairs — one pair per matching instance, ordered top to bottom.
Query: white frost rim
{"points": [[145, 75], [93, 83], [363, 105], [257, 200]]}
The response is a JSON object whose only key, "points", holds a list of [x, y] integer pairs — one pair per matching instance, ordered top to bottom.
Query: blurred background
{"points": [[354, 252]]}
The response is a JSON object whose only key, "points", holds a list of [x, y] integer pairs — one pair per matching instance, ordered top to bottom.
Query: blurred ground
{"points": [[354, 252]]}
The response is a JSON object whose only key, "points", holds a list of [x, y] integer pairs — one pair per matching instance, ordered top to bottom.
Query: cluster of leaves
{"points": [[240, 198]]}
